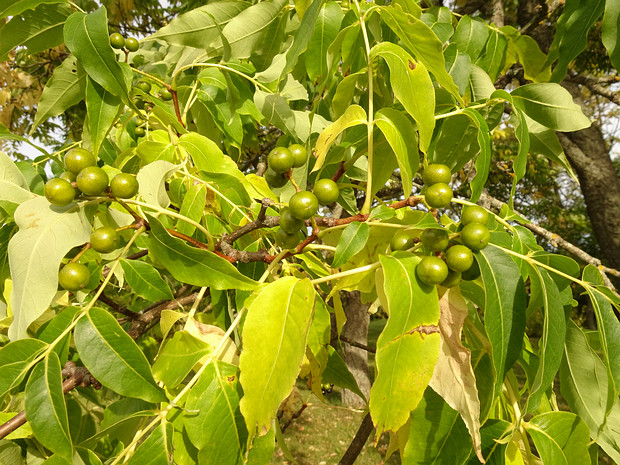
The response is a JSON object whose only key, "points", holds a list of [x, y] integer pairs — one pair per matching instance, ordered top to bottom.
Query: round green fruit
{"points": [[117, 40], [132, 44], [138, 60], [144, 86], [165, 94], [139, 103], [139, 131], [299, 154], [77, 159], [280, 159], [436, 174], [67, 176], [274, 179], [92, 180], [124, 186], [326, 191], [59, 192], [438, 195], [303, 205], [474, 214], [289, 223], [476, 236], [435, 239], [104, 240], [286, 240], [402, 240], [459, 258], [432, 270], [472, 273], [73, 276], [454, 277]]}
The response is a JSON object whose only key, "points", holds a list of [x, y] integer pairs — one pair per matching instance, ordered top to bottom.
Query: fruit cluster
{"points": [[119, 42], [82, 175]]}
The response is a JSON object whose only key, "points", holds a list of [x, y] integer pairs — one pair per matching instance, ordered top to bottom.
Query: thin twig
{"points": [[359, 345]]}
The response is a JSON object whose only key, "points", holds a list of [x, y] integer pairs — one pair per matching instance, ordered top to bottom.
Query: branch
{"points": [[594, 85], [116, 307], [153, 312], [359, 345], [358, 442]]}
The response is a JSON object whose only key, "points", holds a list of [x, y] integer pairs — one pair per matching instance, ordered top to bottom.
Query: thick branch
{"points": [[595, 87], [152, 313], [356, 446]]}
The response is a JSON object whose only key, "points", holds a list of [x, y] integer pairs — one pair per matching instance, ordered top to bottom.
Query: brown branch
{"points": [[594, 86], [175, 100], [339, 172], [117, 307], [153, 312], [359, 345], [350, 456]]}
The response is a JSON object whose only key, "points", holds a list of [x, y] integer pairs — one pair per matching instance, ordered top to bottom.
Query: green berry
{"points": [[117, 40], [132, 44], [138, 60], [144, 86], [165, 94], [139, 131], [299, 154], [77, 159], [280, 159], [436, 173], [67, 176], [274, 179], [92, 180], [124, 186], [326, 191], [59, 192], [438, 195], [303, 205], [474, 214], [289, 223], [476, 236], [435, 239], [104, 240], [286, 240], [402, 240], [459, 258], [432, 270], [74, 276], [454, 277]]}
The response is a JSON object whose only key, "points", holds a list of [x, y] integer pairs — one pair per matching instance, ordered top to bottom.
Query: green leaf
{"points": [[15, 7], [611, 24], [201, 26], [326, 28], [37, 30], [571, 35], [302, 36], [470, 36], [87, 37], [424, 44], [526, 50], [494, 56], [458, 65], [480, 84], [412, 86], [66, 87], [551, 105], [102, 108], [353, 116], [399, 133], [456, 142], [545, 142], [207, 156], [483, 162], [152, 182], [13, 184], [45, 236], [352, 241], [194, 266], [146, 281], [504, 309], [54, 328], [274, 342], [408, 346], [550, 346], [114, 358], [177, 358], [15, 359], [336, 372], [584, 385], [45, 407], [212, 420], [23, 432], [437, 434], [560, 438], [262, 449], [155, 450], [11, 453]]}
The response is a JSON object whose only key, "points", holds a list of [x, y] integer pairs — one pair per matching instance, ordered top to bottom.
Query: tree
{"points": [[200, 278]]}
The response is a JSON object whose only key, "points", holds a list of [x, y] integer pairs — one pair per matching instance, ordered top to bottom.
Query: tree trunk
{"points": [[356, 329]]}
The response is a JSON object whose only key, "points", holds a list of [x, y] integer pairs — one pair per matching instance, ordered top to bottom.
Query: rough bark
{"points": [[356, 329]]}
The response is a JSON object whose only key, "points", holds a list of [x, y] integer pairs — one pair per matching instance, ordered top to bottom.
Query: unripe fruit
{"points": [[117, 41], [132, 44], [138, 60], [144, 86], [165, 94], [139, 103], [139, 131], [299, 154], [77, 159], [280, 160], [436, 173], [67, 176], [275, 179], [92, 180], [124, 186], [326, 191], [59, 192], [438, 195], [303, 205], [474, 214], [289, 223], [475, 236], [435, 239], [104, 240], [286, 240], [402, 240], [459, 258], [432, 270], [472, 273], [74, 276], [454, 277]]}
